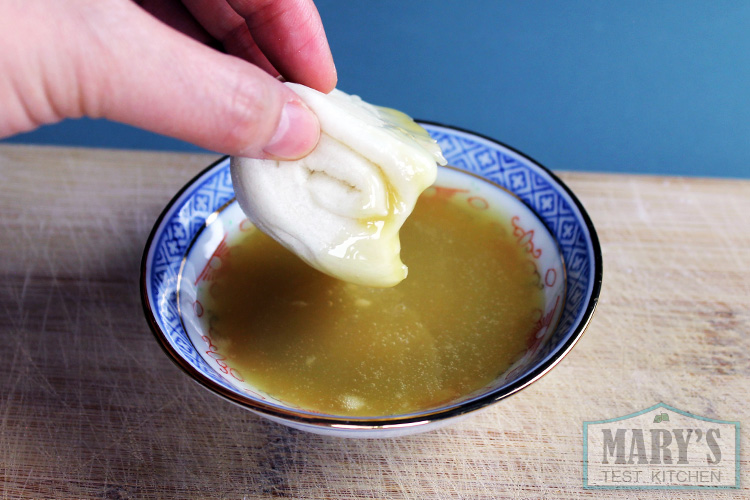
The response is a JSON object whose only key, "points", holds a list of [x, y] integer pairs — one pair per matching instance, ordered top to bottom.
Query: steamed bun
{"points": [[341, 207]]}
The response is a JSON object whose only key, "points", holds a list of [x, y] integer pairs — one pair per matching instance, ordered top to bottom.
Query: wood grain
{"points": [[90, 407]]}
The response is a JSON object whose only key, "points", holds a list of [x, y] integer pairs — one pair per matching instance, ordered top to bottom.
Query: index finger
{"points": [[230, 29], [291, 35]]}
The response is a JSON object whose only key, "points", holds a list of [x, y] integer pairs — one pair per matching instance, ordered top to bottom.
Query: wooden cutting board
{"points": [[90, 407]]}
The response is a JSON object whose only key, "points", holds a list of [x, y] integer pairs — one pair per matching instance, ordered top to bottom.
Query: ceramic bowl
{"points": [[548, 221]]}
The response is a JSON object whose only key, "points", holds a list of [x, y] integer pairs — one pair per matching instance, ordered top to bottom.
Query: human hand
{"points": [[115, 59]]}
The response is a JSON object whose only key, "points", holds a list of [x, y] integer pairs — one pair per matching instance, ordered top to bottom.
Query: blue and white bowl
{"points": [[548, 221]]}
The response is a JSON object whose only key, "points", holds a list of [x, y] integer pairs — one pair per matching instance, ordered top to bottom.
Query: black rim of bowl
{"points": [[388, 422]]}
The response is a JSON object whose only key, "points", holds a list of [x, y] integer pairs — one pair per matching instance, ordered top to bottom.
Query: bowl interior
{"points": [[548, 222], [213, 245]]}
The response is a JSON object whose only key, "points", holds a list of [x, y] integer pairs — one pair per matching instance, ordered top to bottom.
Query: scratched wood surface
{"points": [[90, 407]]}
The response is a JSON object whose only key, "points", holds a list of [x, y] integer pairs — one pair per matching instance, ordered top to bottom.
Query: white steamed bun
{"points": [[340, 208]]}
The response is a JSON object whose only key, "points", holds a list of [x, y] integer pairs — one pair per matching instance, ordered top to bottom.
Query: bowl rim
{"points": [[385, 422]]}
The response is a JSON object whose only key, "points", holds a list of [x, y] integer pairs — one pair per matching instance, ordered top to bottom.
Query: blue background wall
{"points": [[649, 87]]}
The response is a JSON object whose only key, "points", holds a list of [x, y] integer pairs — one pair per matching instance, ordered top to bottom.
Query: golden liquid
{"points": [[461, 318]]}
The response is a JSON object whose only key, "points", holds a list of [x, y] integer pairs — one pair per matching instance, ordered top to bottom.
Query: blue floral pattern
{"points": [[552, 204]]}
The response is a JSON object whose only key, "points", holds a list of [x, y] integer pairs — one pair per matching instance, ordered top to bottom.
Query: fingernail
{"points": [[297, 133]]}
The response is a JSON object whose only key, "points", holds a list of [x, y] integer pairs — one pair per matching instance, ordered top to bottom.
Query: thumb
{"points": [[129, 67], [168, 83]]}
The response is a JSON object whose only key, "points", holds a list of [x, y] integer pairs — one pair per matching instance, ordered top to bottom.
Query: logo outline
{"points": [[663, 405]]}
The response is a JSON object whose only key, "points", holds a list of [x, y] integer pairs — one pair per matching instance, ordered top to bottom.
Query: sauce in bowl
{"points": [[469, 309]]}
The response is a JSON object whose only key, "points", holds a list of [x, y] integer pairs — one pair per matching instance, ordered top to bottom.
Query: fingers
{"points": [[173, 13], [230, 29], [289, 33], [112, 59], [148, 75], [189, 91]]}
